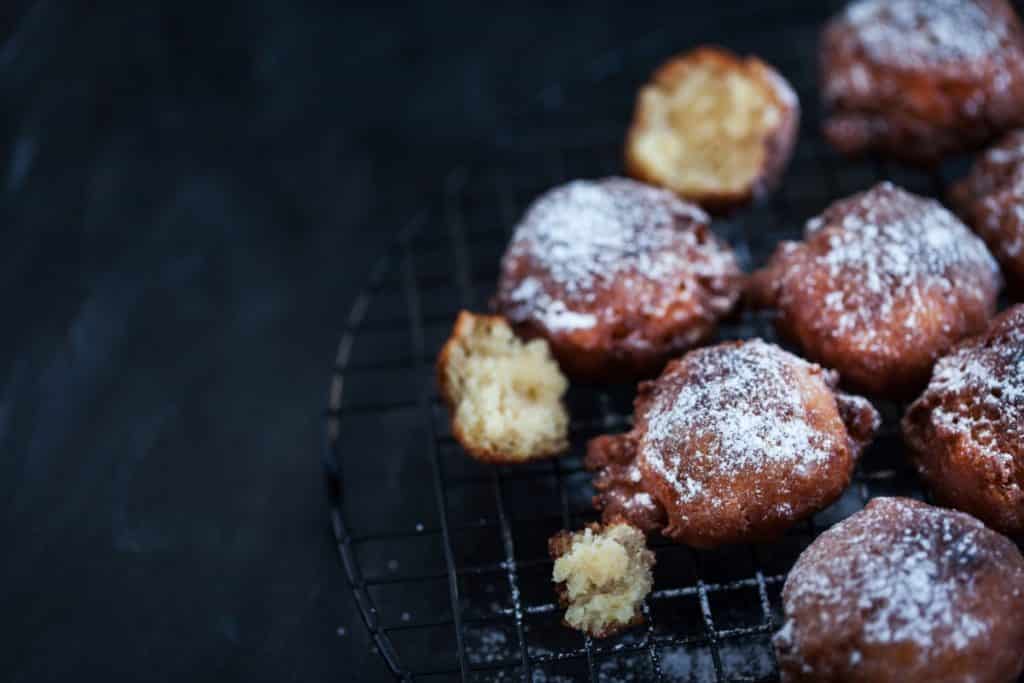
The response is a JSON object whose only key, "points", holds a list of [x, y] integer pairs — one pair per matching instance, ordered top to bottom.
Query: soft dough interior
{"points": [[707, 131], [507, 393], [606, 575]]}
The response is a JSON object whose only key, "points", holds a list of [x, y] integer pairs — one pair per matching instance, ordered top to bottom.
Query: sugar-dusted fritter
{"points": [[920, 79], [991, 200], [618, 276], [883, 284], [966, 431], [732, 443], [902, 591]]}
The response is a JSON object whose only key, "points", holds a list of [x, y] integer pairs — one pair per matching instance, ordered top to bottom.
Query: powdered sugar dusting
{"points": [[910, 33], [588, 231], [585, 237], [554, 314], [721, 414], [641, 499], [898, 573]]}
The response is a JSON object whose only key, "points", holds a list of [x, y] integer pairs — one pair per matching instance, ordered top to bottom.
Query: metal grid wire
{"points": [[447, 557]]}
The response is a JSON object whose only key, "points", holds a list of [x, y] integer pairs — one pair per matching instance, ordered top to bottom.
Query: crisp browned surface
{"points": [[920, 79], [770, 144], [990, 200], [639, 265], [884, 283], [966, 431], [731, 443], [904, 592]]}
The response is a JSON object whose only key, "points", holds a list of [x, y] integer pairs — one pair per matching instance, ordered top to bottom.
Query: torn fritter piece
{"points": [[921, 79], [714, 128], [883, 284], [504, 395], [966, 431], [732, 443], [602, 575], [902, 591]]}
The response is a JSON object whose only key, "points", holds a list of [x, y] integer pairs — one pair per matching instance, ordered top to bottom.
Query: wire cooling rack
{"points": [[447, 557]]}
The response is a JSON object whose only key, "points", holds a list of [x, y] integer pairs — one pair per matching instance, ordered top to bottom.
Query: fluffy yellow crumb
{"points": [[712, 127], [506, 394], [604, 575]]}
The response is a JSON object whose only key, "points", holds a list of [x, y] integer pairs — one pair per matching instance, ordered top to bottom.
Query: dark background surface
{"points": [[191, 194]]}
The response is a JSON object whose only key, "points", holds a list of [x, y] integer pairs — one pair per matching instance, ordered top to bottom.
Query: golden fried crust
{"points": [[920, 79], [772, 137], [990, 199], [618, 276], [883, 284], [463, 325], [966, 432], [731, 443], [902, 591]]}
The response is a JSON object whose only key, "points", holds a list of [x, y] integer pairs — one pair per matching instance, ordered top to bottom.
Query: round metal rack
{"points": [[447, 557]]}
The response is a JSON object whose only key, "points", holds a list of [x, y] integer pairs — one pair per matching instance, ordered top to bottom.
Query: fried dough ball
{"points": [[920, 79], [714, 128], [991, 200], [618, 276], [883, 284], [504, 396], [966, 432], [732, 443], [602, 575], [902, 591]]}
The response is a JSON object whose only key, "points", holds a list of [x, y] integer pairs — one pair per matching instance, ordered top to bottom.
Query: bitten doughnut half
{"points": [[920, 79], [714, 128], [991, 200], [618, 276], [883, 284], [504, 396], [966, 432], [732, 443], [602, 575], [901, 592]]}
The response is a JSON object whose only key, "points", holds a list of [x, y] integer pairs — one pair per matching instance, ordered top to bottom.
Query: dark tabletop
{"points": [[191, 193]]}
